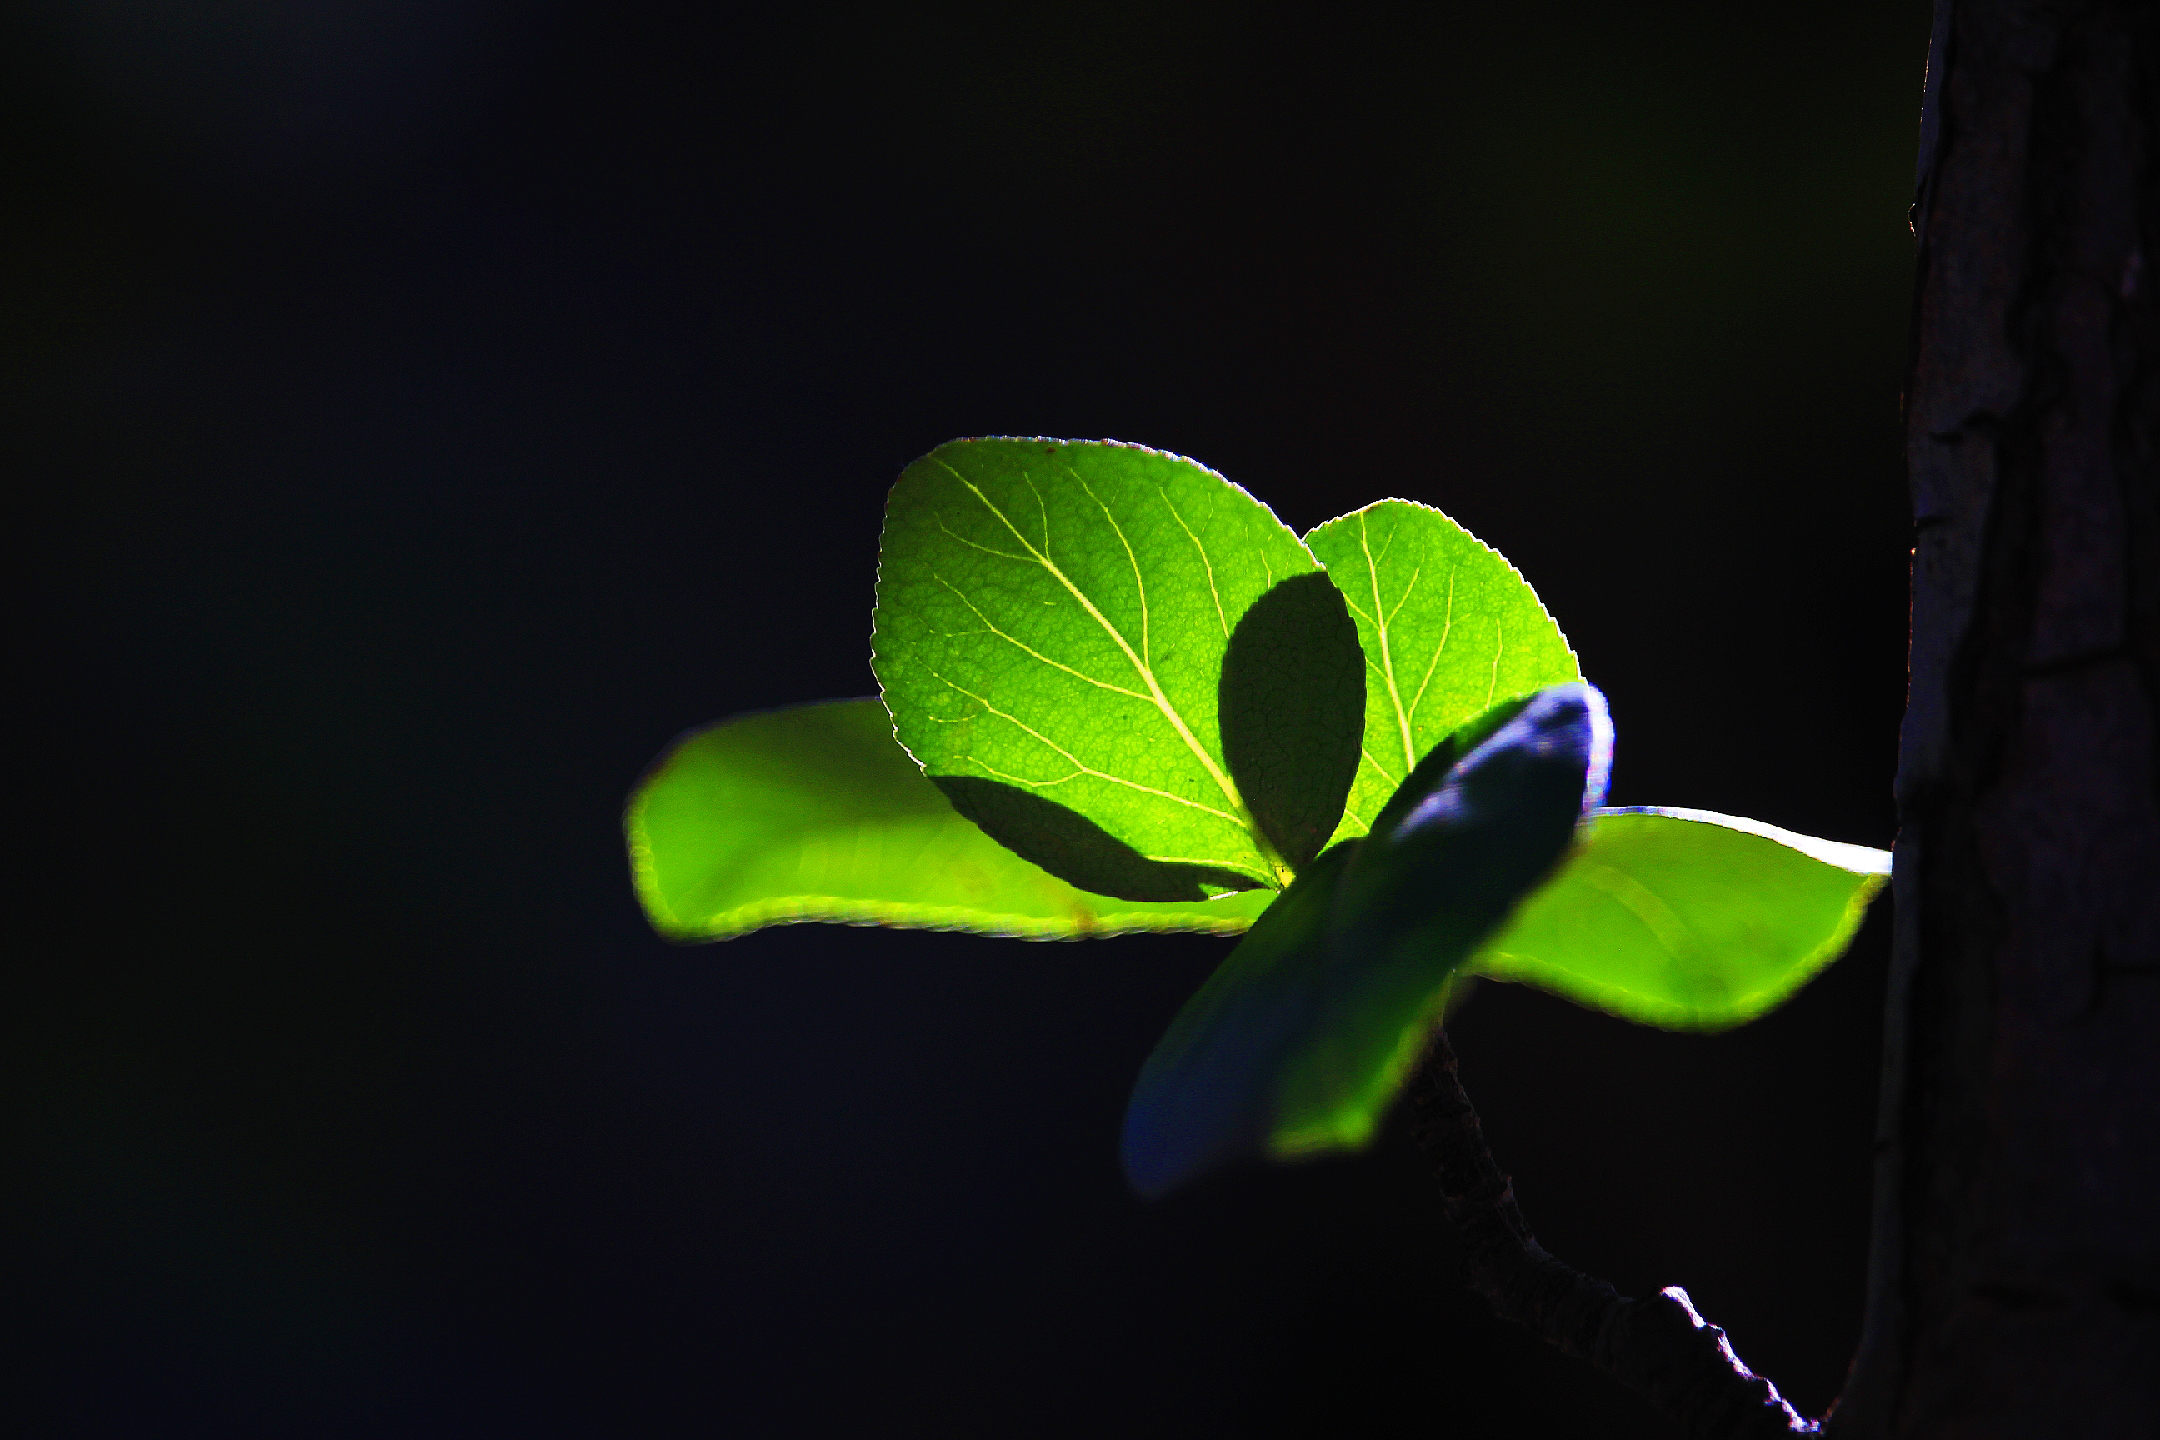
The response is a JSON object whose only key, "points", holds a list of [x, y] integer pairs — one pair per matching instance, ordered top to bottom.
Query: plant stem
{"points": [[1659, 1347]]}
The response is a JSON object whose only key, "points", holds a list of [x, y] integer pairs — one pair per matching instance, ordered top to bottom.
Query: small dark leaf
{"points": [[1299, 1041], [1207, 1093]]}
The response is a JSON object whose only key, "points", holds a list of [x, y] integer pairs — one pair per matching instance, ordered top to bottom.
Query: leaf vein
{"points": [[977, 545], [1205, 563], [1404, 598], [1447, 627], [1030, 650], [1147, 655], [1387, 658], [1155, 690], [1071, 759], [1385, 773], [1239, 813]]}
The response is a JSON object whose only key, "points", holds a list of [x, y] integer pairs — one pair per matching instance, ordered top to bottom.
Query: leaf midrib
{"points": [[1382, 618], [1387, 654], [1242, 813]]}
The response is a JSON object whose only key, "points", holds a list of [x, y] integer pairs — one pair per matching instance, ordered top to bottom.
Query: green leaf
{"points": [[1052, 626], [1449, 628], [816, 813], [1452, 856], [1685, 919], [1300, 1039], [1208, 1092]]}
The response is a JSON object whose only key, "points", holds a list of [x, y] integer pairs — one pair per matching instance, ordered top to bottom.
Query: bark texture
{"points": [[2015, 1286]]}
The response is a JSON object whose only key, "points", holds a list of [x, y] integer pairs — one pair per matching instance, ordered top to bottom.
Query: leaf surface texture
{"points": [[1052, 623], [1449, 628], [816, 813], [1686, 919]]}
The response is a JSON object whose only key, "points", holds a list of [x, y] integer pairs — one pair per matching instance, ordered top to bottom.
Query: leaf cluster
{"points": [[1118, 694]]}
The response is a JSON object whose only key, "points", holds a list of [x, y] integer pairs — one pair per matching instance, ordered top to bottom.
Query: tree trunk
{"points": [[2015, 1286]]}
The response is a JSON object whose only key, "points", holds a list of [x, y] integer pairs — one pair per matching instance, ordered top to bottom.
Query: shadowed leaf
{"points": [[1439, 874], [1300, 1039], [1207, 1093]]}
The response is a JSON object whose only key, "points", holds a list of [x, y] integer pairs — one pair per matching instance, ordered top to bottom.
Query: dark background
{"points": [[434, 408]]}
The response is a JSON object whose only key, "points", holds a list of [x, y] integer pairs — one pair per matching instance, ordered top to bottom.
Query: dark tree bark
{"points": [[2015, 1278], [2015, 1285]]}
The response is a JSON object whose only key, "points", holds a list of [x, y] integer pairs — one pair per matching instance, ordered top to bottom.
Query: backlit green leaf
{"points": [[1052, 626], [1448, 626], [816, 813], [1686, 919]]}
